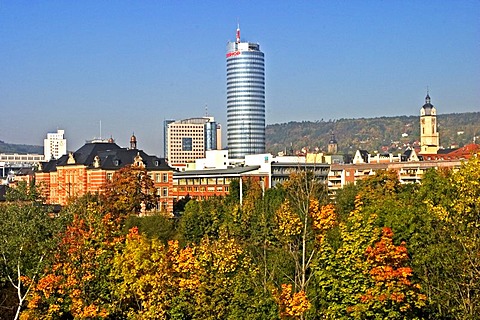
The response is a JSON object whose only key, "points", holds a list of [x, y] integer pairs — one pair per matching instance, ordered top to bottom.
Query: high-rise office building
{"points": [[245, 98], [188, 139], [55, 145]]}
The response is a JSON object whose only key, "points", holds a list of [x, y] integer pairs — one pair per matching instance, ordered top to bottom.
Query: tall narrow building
{"points": [[245, 98], [429, 138], [55, 145]]}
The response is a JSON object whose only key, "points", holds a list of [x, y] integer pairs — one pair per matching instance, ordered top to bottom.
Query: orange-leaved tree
{"points": [[394, 294], [292, 305]]}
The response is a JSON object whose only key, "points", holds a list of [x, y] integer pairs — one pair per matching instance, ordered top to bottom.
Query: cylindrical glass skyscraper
{"points": [[245, 99]]}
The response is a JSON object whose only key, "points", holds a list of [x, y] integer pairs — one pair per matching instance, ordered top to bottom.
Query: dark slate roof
{"points": [[427, 106], [332, 140], [446, 151], [87, 153], [407, 153], [364, 155], [112, 157], [122, 157], [50, 166], [25, 171]]}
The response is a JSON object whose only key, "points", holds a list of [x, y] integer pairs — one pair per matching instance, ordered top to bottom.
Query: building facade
{"points": [[245, 98], [189, 139], [55, 145], [88, 170], [203, 184]]}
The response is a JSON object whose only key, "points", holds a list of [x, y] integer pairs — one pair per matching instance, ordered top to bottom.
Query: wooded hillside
{"points": [[456, 129], [20, 148]]}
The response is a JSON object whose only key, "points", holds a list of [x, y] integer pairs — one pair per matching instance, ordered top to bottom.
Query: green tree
{"points": [[23, 191], [202, 218], [153, 226], [27, 238], [451, 263], [340, 273]]}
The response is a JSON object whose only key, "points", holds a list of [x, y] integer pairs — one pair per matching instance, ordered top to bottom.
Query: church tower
{"points": [[429, 139], [133, 142], [332, 145]]}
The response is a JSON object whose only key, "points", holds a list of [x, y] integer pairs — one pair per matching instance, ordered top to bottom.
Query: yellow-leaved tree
{"points": [[301, 220]]}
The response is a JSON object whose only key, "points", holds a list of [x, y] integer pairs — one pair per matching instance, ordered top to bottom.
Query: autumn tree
{"points": [[131, 191], [298, 219], [144, 276], [210, 280], [77, 284], [394, 295], [292, 305]]}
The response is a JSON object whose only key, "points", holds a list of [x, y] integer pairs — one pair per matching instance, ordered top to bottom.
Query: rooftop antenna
{"points": [[238, 32], [206, 110], [100, 130]]}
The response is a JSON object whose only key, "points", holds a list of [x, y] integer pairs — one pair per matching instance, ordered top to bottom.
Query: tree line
{"points": [[379, 250]]}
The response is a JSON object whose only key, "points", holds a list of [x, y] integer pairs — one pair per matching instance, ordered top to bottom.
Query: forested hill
{"points": [[386, 134], [20, 148]]}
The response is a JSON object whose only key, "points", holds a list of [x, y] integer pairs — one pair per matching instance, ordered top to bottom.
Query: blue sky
{"points": [[132, 64]]}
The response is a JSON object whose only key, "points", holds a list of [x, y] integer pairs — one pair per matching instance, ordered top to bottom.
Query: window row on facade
{"points": [[248, 61], [245, 75], [235, 91], [247, 101], [253, 125], [202, 181], [201, 189]]}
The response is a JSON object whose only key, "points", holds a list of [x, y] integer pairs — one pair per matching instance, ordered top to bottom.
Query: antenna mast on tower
{"points": [[238, 32]]}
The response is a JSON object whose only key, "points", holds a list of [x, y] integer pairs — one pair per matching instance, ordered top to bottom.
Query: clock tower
{"points": [[429, 139]]}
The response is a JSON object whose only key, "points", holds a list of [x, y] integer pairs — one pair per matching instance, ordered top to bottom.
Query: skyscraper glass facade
{"points": [[245, 99]]}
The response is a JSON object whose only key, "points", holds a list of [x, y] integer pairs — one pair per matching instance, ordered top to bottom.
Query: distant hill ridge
{"points": [[383, 134], [20, 148]]}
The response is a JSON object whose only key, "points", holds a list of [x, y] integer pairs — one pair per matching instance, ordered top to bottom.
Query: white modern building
{"points": [[245, 98], [55, 145]]}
